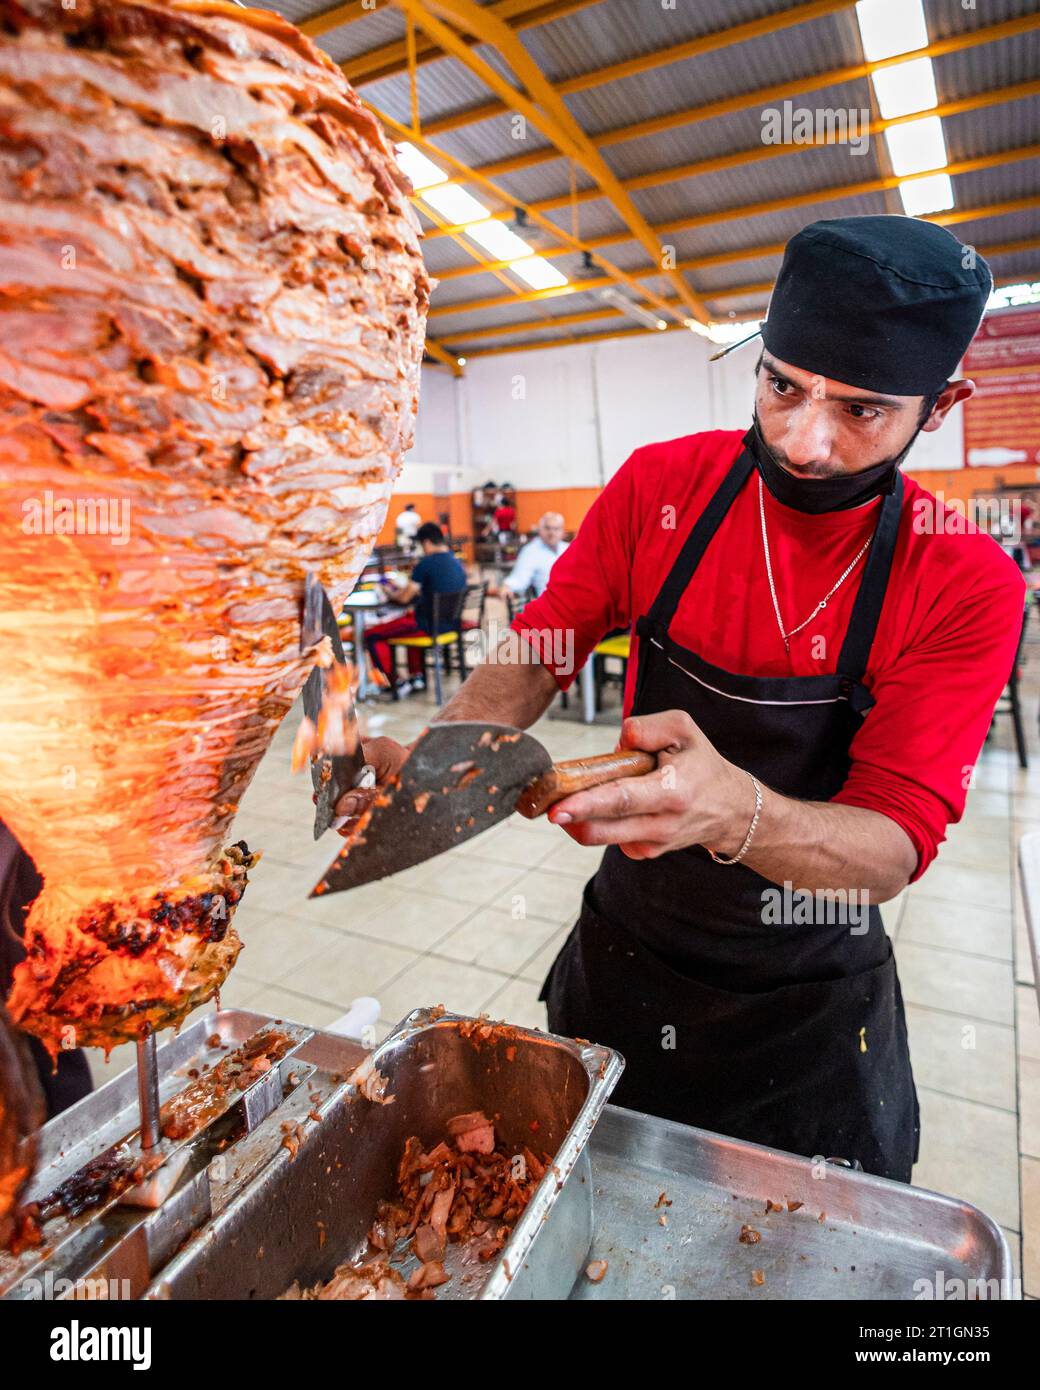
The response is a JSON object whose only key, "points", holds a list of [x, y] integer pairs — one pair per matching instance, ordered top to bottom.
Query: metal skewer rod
{"points": [[148, 1091]]}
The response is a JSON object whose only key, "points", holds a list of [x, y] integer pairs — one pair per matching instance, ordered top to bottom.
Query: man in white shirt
{"points": [[406, 525], [537, 557]]}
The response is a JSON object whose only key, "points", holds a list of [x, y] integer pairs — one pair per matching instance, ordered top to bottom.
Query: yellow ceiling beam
{"points": [[334, 17], [391, 58], [647, 62], [761, 96], [543, 108], [655, 177], [882, 184], [569, 243], [775, 248], [1007, 248], [747, 253], [763, 288], [499, 330], [573, 340], [433, 347], [443, 356]]}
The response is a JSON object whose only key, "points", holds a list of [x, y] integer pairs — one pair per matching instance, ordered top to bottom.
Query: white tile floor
{"points": [[477, 929]]}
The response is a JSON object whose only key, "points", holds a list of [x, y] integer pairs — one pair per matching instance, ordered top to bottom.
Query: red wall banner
{"points": [[1002, 419]]}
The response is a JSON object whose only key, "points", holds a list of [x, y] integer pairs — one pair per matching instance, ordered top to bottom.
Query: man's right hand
{"points": [[385, 756]]}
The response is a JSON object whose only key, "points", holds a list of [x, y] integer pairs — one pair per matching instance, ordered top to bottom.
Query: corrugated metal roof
{"points": [[299, 10], [944, 19], [382, 25], [613, 31], [820, 47], [988, 67], [443, 87], [995, 128], [742, 130], [986, 186], [727, 191], [985, 232], [1022, 265]]}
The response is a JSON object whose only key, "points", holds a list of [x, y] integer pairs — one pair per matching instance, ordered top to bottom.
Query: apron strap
{"points": [[662, 610], [866, 612]]}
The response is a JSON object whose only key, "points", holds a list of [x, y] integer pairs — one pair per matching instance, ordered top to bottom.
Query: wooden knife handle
{"points": [[576, 776]]}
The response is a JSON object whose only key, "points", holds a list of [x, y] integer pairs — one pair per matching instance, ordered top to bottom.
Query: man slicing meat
{"points": [[817, 654]]}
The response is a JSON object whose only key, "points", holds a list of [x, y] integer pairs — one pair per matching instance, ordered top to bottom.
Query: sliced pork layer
{"points": [[212, 307]]}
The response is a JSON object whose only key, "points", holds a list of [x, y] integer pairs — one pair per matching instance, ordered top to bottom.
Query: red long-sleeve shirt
{"points": [[943, 650]]}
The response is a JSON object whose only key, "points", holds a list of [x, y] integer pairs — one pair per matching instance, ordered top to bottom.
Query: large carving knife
{"points": [[337, 772], [460, 779]]}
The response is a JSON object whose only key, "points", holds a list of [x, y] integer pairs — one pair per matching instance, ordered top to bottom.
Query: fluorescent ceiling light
{"points": [[888, 27], [905, 88], [916, 146], [422, 171], [920, 196], [454, 203], [463, 210], [499, 239], [537, 273], [1010, 295], [628, 306], [725, 332]]}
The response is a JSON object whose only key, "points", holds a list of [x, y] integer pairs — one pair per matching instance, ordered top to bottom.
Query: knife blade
{"points": [[459, 780]]}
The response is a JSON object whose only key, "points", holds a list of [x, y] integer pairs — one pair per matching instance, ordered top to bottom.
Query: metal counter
{"points": [[855, 1236]]}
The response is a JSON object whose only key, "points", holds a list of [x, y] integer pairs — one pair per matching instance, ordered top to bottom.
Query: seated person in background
{"points": [[505, 519], [406, 526], [536, 559], [438, 572]]}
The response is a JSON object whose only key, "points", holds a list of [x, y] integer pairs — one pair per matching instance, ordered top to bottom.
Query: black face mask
{"points": [[817, 495]]}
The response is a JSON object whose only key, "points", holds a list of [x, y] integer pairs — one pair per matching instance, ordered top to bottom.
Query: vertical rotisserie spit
{"points": [[212, 305]]}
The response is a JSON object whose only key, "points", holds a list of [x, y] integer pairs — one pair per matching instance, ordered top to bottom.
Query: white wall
{"points": [[570, 416], [436, 447]]}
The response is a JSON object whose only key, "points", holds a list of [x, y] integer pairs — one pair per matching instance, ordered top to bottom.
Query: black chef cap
{"points": [[885, 303]]}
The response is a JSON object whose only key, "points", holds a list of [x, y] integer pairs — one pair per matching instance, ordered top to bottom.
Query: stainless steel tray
{"points": [[306, 1212], [877, 1238], [113, 1250]]}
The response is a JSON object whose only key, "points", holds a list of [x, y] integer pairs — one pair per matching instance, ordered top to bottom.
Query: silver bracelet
{"points": [[751, 829]]}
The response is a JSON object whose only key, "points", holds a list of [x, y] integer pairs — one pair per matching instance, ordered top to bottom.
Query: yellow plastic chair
{"points": [[447, 613], [617, 647]]}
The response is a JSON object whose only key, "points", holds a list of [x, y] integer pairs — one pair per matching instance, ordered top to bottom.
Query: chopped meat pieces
{"points": [[473, 1133], [446, 1196]]}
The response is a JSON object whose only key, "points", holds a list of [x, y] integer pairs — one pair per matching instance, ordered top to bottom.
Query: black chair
{"points": [[515, 602], [474, 611], [447, 626], [1010, 701]]}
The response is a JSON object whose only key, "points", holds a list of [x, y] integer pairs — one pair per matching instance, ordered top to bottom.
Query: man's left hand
{"points": [[693, 797]]}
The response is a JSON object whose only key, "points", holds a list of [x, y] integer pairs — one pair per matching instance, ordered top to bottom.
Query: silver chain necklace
{"points": [[772, 587]]}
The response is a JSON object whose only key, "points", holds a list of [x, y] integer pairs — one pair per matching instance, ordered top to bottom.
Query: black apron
{"points": [[734, 1014]]}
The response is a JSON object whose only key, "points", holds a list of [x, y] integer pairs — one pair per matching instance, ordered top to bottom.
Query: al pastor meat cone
{"points": [[212, 308]]}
